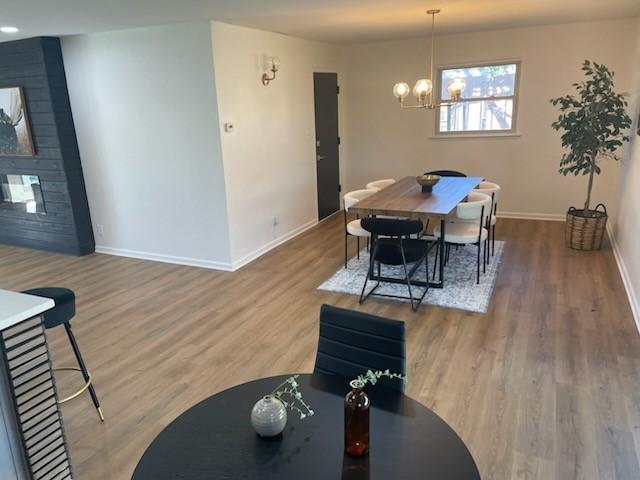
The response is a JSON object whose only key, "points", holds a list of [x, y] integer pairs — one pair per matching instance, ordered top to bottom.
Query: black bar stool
{"points": [[61, 314]]}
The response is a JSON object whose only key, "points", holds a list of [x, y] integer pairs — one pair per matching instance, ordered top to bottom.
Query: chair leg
{"points": [[346, 241], [493, 241], [487, 243], [358, 246], [485, 256], [372, 257], [435, 262], [478, 273], [406, 276], [83, 368]]}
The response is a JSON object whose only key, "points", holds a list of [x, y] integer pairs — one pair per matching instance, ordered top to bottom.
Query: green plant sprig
{"points": [[372, 377], [287, 392]]}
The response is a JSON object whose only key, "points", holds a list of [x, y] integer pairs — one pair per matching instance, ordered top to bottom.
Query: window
{"points": [[487, 104]]}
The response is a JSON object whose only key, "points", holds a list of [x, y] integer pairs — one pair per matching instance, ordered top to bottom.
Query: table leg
{"points": [[441, 244]]}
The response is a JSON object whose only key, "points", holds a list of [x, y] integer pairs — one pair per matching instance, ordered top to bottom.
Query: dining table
{"points": [[406, 199], [215, 440]]}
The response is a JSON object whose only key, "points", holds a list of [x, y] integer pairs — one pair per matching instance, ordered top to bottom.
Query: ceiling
{"points": [[337, 21]]}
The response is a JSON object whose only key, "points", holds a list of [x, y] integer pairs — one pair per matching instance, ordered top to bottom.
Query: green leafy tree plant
{"points": [[593, 122]]}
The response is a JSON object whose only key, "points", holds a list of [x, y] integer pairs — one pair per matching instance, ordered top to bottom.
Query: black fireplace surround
{"points": [[57, 217]]}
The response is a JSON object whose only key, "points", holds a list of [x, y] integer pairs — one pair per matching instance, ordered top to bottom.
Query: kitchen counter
{"points": [[32, 440]]}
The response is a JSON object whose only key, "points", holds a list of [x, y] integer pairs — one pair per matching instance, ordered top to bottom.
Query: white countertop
{"points": [[17, 307]]}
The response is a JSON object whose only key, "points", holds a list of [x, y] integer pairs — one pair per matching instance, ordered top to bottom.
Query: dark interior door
{"points": [[325, 87]]}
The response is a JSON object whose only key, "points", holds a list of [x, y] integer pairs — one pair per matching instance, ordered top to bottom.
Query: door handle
{"points": [[319, 157]]}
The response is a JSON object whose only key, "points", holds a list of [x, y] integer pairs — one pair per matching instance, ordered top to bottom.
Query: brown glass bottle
{"points": [[356, 422]]}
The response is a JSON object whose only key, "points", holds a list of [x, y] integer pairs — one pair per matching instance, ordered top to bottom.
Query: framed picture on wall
{"points": [[15, 134]]}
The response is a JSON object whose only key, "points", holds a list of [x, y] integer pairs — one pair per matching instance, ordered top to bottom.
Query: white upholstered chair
{"points": [[380, 184], [493, 190], [354, 227], [471, 229]]}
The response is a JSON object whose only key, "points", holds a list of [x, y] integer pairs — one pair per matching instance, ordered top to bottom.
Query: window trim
{"points": [[479, 133]]}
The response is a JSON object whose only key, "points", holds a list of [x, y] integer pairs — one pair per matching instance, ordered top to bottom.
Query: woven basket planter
{"points": [[585, 232]]}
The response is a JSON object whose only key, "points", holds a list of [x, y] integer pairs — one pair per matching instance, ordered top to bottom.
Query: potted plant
{"points": [[594, 122]]}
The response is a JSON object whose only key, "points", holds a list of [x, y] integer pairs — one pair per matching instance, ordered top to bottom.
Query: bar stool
{"points": [[61, 314]]}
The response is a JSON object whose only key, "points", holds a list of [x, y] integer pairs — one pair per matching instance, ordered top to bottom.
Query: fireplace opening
{"points": [[21, 193]]}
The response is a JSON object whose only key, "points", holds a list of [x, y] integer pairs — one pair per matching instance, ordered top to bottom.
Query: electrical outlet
{"points": [[275, 221], [100, 229]]}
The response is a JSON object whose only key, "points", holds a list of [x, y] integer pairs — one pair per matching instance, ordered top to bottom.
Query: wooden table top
{"points": [[405, 198]]}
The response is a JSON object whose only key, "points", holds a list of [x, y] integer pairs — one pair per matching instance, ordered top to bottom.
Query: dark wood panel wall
{"points": [[36, 65]]}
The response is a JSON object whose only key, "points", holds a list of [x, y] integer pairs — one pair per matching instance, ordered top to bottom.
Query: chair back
{"points": [[446, 173], [380, 184], [491, 189], [351, 198], [477, 205], [391, 227], [353, 342]]}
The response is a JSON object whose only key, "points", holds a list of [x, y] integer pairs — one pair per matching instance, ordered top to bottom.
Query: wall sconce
{"points": [[271, 65]]}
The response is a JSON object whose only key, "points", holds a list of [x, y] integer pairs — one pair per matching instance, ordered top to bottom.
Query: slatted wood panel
{"points": [[36, 65], [31, 381], [545, 386]]}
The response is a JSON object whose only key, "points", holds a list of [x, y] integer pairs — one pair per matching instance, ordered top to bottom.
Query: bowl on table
{"points": [[427, 181]]}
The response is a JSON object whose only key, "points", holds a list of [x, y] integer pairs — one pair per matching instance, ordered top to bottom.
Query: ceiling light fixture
{"points": [[9, 29], [424, 87]]}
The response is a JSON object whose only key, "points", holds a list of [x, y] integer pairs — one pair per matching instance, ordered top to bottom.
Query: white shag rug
{"points": [[460, 290]]}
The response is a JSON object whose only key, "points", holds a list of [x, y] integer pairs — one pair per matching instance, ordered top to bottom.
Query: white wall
{"points": [[144, 106], [381, 140], [269, 160], [626, 230]]}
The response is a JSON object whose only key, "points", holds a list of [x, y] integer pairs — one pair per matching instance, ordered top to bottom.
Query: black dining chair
{"points": [[446, 173], [396, 248], [353, 342]]}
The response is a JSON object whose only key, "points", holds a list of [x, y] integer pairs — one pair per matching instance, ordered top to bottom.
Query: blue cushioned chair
{"points": [[353, 342]]}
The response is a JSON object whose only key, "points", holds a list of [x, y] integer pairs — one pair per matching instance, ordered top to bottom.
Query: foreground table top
{"points": [[406, 198], [215, 440]]}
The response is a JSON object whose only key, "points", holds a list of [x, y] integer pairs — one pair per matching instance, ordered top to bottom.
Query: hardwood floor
{"points": [[546, 385]]}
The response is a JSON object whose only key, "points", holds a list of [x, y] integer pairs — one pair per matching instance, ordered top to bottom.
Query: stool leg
{"points": [[83, 367]]}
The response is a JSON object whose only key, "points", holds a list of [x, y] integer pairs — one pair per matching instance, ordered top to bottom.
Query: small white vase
{"points": [[268, 416]]}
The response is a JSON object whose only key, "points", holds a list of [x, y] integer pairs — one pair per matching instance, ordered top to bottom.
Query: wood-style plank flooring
{"points": [[546, 385]]}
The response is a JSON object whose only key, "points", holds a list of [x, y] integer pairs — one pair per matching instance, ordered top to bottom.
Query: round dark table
{"points": [[215, 440]]}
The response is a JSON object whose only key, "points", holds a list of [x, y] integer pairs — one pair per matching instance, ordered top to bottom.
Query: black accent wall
{"points": [[36, 65]]}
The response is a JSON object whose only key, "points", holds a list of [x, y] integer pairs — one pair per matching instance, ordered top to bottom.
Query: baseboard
{"points": [[550, 217], [272, 244], [192, 262], [198, 262], [626, 279]]}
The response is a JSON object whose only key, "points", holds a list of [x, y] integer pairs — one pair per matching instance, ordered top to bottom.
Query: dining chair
{"points": [[446, 173], [380, 184], [493, 190], [353, 227], [470, 227], [391, 245], [353, 342]]}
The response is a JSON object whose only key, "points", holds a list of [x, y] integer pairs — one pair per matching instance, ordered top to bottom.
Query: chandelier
{"points": [[423, 89]]}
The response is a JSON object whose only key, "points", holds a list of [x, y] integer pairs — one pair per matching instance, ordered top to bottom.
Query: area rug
{"points": [[460, 290]]}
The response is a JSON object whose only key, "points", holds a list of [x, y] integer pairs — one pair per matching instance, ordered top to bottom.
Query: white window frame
{"points": [[480, 133]]}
